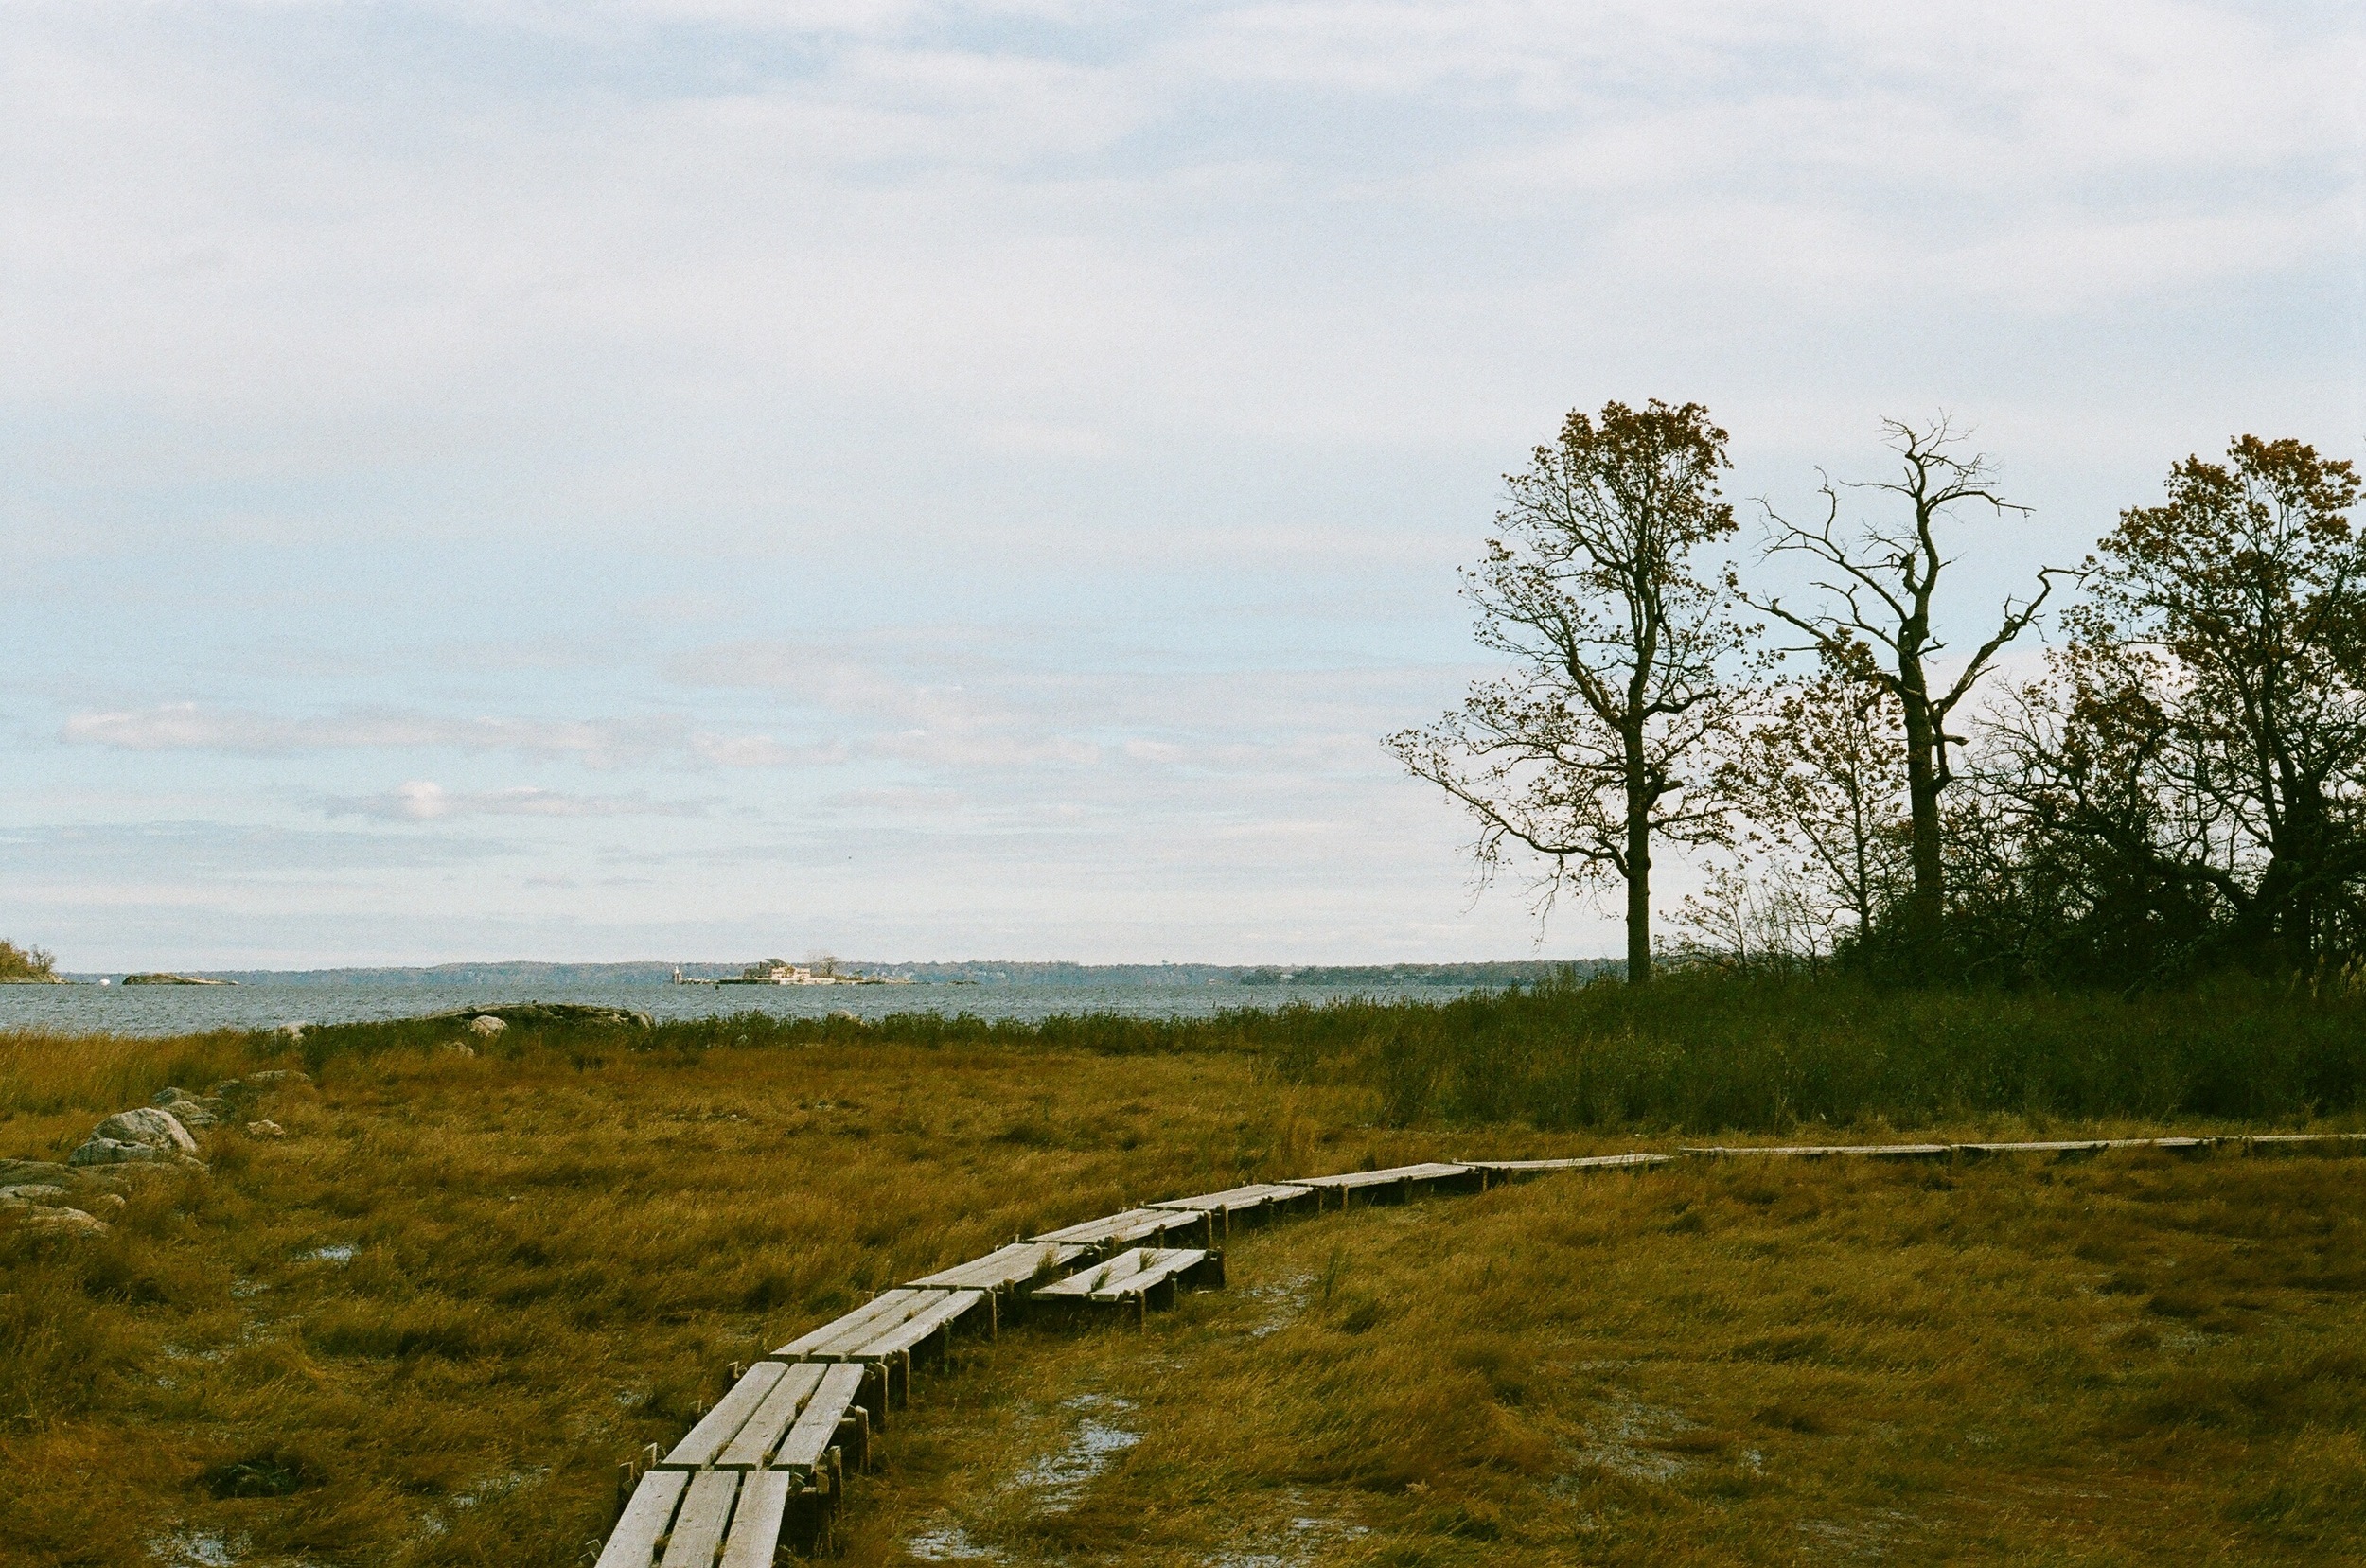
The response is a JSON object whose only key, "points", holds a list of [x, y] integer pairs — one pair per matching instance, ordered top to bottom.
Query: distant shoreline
{"points": [[969, 972]]}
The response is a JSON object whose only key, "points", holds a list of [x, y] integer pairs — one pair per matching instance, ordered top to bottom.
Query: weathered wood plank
{"points": [[1831, 1151], [1588, 1162], [1350, 1180], [1238, 1197], [1135, 1225], [1004, 1268], [1155, 1270], [1085, 1281], [884, 1312], [907, 1335], [772, 1419], [720, 1424], [816, 1431], [706, 1512], [755, 1537], [633, 1542]]}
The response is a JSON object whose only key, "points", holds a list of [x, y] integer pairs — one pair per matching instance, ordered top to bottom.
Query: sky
{"points": [[700, 478]]}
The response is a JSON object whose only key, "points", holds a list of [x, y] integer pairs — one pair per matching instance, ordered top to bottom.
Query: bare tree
{"points": [[1880, 580], [1591, 745]]}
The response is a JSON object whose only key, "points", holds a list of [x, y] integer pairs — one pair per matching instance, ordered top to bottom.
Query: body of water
{"points": [[193, 1009]]}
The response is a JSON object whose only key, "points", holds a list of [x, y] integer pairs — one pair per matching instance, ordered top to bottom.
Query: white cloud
{"points": [[594, 743], [424, 801]]}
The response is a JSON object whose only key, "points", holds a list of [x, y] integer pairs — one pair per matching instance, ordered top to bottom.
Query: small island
{"points": [[28, 967], [780, 972], [173, 979]]}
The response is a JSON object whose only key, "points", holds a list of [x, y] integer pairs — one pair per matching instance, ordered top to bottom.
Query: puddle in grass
{"points": [[1288, 1298], [1059, 1478], [948, 1543], [1291, 1548], [196, 1549]]}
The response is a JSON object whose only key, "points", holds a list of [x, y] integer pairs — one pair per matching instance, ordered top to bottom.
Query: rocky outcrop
{"points": [[163, 978], [519, 1013], [487, 1025], [191, 1110], [158, 1129], [110, 1151], [33, 1193]]}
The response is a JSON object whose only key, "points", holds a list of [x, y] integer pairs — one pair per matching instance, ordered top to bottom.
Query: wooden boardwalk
{"points": [[764, 1470]]}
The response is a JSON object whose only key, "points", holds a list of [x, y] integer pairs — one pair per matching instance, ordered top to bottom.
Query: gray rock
{"points": [[487, 1025], [291, 1031], [275, 1076], [189, 1109], [149, 1125], [265, 1129], [107, 1150], [14, 1172], [31, 1192], [107, 1204], [62, 1222]]}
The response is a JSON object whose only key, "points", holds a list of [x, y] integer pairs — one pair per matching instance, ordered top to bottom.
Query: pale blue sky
{"points": [[585, 480]]}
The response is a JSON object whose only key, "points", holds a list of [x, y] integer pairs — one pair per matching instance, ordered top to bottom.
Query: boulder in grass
{"points": [[484, 1024], [189, 1109], [158, 1129], [265, 1129], [108, 1150], [13, 1171], [29, 1192], [62, 1222]]}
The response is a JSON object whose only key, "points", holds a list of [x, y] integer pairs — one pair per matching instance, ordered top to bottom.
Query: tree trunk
{"points": [[1638, 865], [1926, 903]]}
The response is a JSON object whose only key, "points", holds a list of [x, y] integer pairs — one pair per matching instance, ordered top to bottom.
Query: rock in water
{"points": [[487, 1025], [157, 1128]]}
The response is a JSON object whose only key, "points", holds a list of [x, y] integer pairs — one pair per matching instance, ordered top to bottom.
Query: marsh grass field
{"points": [[424, 1327]]}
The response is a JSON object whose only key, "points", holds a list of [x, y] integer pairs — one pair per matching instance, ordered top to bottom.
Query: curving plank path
{"points": [[764, 1469]]}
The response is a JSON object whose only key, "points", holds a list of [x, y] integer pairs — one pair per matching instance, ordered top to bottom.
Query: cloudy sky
{"points": [[651, 478]]}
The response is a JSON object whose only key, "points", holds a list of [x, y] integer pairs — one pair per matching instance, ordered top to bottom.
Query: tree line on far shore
{"points": [[2181, 790]]}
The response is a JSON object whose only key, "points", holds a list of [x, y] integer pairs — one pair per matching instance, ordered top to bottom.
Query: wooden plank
{"points": [[1832, 1151], [1588, 1162], [1352, 1179], [1238, 1197], [1135, 1225], [1005, 1267], [1155, 1269], [1086, 1282], [878, 1306], [904, 1336], [831, 1341], [772, 1419], [719, 1425], [816, 1429], [706, 1511], [755, 1537], [633, 1542]]}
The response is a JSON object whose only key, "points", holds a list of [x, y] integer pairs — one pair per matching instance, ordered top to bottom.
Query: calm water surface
{"points": [[187, 1010]]}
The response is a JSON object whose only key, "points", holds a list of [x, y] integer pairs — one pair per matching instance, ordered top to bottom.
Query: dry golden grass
{"points": [[554, 1258]]}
